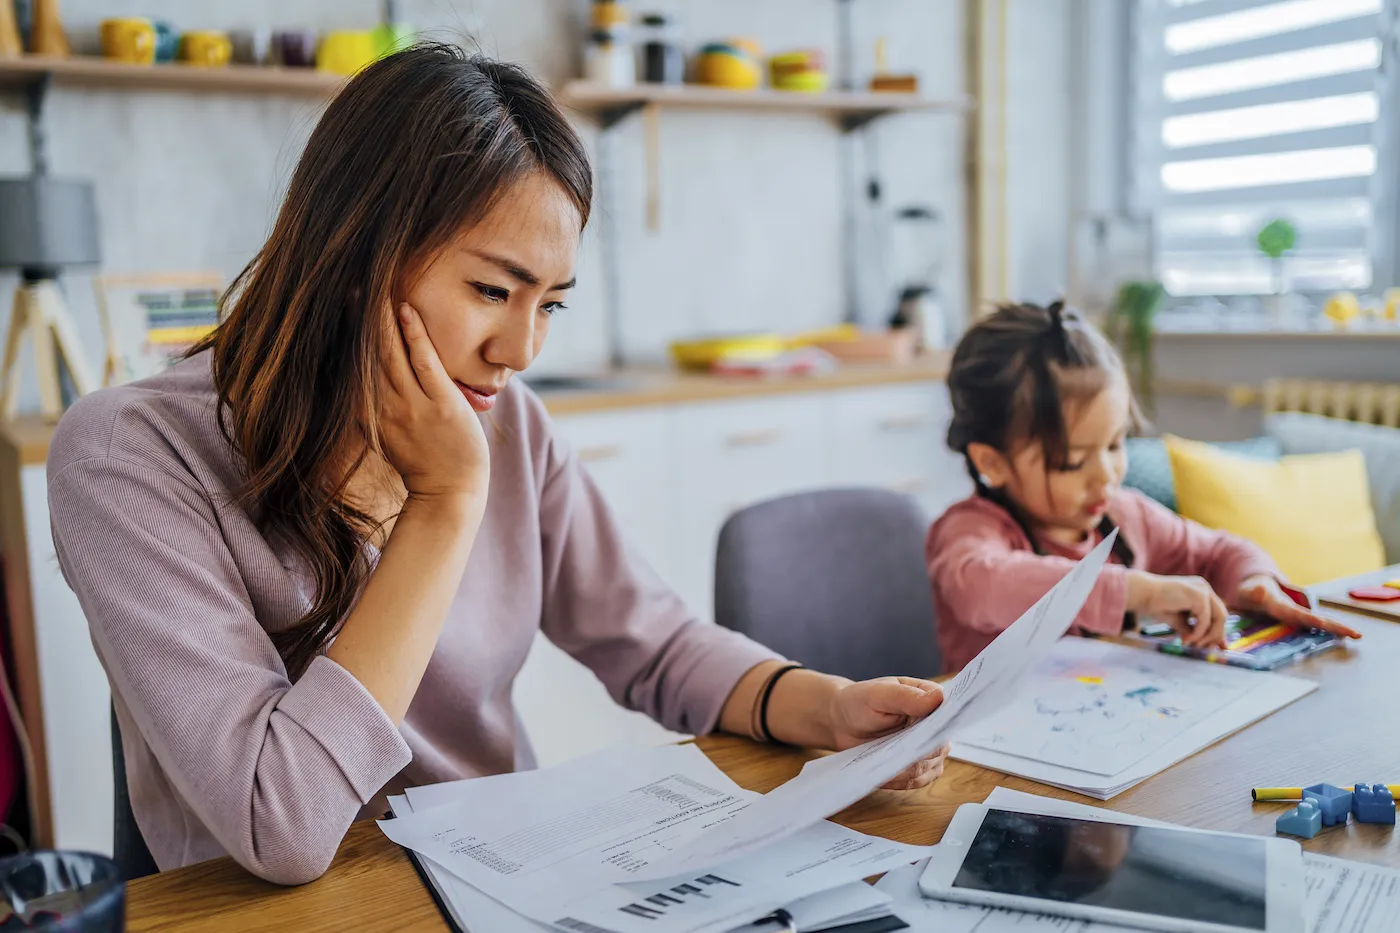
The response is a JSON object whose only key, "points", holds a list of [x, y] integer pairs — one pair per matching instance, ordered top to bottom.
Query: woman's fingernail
{"points": [[405, 314]]}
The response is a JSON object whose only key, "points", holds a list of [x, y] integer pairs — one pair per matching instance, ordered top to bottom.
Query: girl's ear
{"points": [[990, 463]]}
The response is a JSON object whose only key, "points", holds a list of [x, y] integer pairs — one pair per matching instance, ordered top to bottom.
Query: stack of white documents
{"points": [[1097, 717], [661, 840], [559, 847], [1342, 896]]}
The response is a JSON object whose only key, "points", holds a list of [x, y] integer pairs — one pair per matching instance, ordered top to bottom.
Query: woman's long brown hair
{"points": [[415, 148]]}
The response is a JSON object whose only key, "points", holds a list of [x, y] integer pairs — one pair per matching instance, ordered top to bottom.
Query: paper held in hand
{"points": [[830, 784]]}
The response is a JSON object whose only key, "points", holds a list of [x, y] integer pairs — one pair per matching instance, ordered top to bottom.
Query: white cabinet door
{"points": [[895, 437], [626, 453], [733, 454], [76, 700], [565, 709], [568, 713]]}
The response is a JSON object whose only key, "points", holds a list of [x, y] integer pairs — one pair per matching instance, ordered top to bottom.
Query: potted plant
{"points": [[1275, 239], [1131, 323]]}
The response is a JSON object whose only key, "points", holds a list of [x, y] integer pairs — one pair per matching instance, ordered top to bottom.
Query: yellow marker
{"points": [[1393, 584], [1090, 680], [1264, 794]]}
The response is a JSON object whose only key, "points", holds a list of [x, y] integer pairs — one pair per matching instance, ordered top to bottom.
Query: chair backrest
{"points": [[833, 579], [128, 845]]}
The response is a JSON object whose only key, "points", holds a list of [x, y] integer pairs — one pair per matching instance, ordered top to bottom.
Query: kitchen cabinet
{"points": [[895, 437]]}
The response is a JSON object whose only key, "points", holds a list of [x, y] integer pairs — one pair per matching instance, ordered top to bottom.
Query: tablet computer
{"points": [[1148, 877]]}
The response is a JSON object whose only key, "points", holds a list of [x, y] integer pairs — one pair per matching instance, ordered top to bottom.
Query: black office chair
{"points": [[834, 579], [128, 845]]}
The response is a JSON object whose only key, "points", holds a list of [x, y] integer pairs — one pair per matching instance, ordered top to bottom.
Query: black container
{"points": [[663, 59], [62, 892]]}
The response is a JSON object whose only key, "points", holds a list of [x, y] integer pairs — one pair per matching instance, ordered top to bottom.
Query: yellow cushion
{"points": [[1311, 513]]}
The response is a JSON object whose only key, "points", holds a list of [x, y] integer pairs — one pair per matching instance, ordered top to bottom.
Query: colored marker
{"points": [[1296, 793]]}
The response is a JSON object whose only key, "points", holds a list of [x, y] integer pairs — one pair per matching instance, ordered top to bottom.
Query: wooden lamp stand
{"points": [[40, 313]]}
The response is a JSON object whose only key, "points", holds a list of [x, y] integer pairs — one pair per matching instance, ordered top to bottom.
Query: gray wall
{"points": [[750, 234]]}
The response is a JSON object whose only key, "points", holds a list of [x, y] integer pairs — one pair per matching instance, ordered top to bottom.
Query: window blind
{"points": [[1251, 110]]}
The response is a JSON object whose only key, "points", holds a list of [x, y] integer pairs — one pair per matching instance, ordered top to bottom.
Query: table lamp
{"points": [[46, 225]]}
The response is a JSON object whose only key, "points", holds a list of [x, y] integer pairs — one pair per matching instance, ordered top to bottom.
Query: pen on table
{"points": [[1266, 794], [782, 917]]}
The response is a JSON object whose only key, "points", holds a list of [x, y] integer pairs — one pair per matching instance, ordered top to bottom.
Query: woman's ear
{"points": [[990, 464]]}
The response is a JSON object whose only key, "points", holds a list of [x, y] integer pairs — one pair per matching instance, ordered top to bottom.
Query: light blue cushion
{"points": [[1313, 434], [1150, 469]]}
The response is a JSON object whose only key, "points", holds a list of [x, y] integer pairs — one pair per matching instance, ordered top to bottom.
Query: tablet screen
{"points": [[1144, 869]]}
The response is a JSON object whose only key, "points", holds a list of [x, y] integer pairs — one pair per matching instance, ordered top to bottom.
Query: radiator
{"points": [[1366, 402]]}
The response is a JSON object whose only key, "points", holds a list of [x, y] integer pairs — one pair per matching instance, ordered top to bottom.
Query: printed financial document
{"points": [[564, 845], [475, 912]]}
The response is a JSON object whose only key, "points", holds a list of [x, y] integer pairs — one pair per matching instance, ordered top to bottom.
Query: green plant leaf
{"points": [[1276, 238]]}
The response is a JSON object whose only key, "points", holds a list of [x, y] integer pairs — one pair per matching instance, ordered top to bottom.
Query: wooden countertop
{"points": [[1353, 334], [638, 387], [626, 388], [29, 435]]}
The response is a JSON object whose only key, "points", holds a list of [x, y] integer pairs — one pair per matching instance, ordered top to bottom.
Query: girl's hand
{"points": [[431, 436], [1262, 594], [1178, 601], [874, 708]]}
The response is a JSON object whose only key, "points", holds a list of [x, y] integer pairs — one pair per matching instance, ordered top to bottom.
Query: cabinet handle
{"points": [[903, 423], [754, 438], [599, 453], [911, 486]]}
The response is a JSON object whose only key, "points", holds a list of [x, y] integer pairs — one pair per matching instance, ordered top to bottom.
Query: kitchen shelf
{"points": [[90, 72], [852, 107]]}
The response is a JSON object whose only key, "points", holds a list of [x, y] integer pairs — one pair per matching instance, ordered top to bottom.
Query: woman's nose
{"points": [[513, 344]]}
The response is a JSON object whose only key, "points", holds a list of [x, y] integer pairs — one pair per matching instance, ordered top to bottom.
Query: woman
{"points": [[314, 554]]}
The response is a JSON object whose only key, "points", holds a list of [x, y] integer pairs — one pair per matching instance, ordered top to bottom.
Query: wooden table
{"points": [[1342, 733]]}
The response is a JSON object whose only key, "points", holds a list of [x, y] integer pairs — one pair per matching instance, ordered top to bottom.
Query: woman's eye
{"points": [[493, 294], [550, 307], [1071, 467]]}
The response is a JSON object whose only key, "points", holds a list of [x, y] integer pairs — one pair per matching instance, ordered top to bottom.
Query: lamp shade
{"points": [[47, 224]]}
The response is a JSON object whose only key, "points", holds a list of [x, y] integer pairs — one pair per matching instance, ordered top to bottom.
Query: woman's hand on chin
{"points": [[429, 432]]}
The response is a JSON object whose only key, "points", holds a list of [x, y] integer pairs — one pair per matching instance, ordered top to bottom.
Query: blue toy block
{"points": [[1334, 802], [1372, 803], [1303, 820]]}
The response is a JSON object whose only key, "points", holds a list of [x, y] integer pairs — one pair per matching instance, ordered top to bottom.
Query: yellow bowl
{"points": [[720, 69], [804, 82], [841, 333], [704, 353]]}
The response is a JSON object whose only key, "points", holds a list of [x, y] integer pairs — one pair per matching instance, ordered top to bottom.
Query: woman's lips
{"points": [[480, 399]]}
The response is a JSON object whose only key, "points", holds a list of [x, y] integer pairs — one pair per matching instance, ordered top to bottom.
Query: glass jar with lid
{"points": [[663, 59]]}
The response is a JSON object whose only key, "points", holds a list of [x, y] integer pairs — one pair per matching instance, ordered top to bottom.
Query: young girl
{"points": [[1041, 407], [312, 563]]}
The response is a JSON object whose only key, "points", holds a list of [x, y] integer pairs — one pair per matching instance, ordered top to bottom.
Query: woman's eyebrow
{"points": [[518, 272]]}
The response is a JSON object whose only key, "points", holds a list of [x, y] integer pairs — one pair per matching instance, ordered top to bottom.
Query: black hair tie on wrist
{"points": [[768, 695]]}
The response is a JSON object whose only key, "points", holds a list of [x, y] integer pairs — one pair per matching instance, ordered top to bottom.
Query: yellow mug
{"points": [[130, 39], [206, 48], [346, 51]]}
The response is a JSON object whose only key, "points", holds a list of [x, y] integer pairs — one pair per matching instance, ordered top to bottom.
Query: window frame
{"points": [[1145, 105]]}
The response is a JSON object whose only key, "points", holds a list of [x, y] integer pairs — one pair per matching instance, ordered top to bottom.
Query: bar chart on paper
{"points": [[1098, 708]]}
